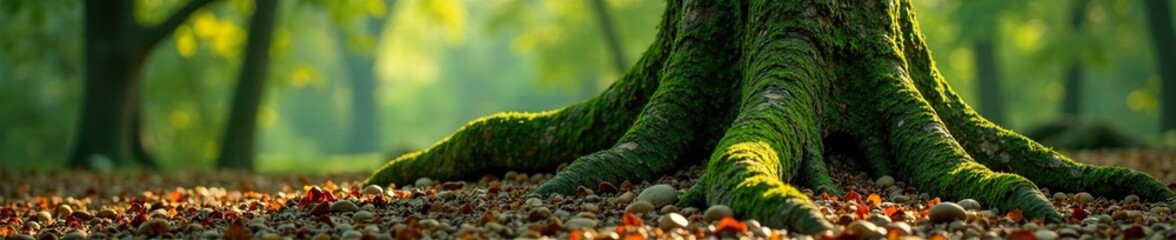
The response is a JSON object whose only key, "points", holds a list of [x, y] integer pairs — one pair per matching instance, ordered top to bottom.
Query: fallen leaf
{"points": [[874, 199], [1015, 215], [729, 223]]}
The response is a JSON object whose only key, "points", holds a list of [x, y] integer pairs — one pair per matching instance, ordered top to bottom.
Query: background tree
{"points": [[604, 16], [1159, 22], [356, 38], [116, 48], [237, 149]]}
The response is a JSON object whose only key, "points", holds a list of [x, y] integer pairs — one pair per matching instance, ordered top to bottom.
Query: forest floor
{"points": [[80, 205]]}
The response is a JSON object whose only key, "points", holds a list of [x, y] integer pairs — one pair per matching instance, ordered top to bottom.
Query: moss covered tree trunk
{"points": [[754, 90]]}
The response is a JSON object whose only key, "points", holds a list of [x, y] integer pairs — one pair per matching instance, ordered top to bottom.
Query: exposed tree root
{"points": [[762, 88]]}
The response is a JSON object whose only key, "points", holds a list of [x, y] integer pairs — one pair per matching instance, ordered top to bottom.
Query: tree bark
{"points": [[1159, 22], [116, 48], [758, 92], [237, 147]]}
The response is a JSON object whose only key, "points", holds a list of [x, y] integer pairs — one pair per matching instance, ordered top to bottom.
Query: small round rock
{"points": [[884, 181], [424, 182], [373, 190], [659, 195], [1083, 198], [1131, 199], [970, 204], [344, 206], [639, 206], [590, 207], [717, 212], [946, 212], [362, 215], [672, 221], [580, 223], [154, 227], [865, 229], [1045, 234], [75, 235]]}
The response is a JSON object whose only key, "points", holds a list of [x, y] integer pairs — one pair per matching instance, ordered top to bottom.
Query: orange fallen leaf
{"points": [[825, 196], [853, 196], [874, 199], [932, 202], [889, 211], [862, 212], [1015, 215], [632, 220], [1039, 221], [729, 223], [1022, 235], [939, 237]]}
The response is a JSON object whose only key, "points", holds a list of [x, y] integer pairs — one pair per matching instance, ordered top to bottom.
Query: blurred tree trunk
{"points": [[1159, 21], [610, 35], [115, 49], [988, 76], [1072, 98], [364, 130], [238, 144]]}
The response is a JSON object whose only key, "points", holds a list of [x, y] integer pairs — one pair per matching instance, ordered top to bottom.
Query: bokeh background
{"points": [[432, 65]]}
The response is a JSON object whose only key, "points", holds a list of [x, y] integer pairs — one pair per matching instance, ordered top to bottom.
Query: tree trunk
{"points": [[1159, 22], [610, 35], [988, 76], [760, 92], [1072, 98], [364, 127], [109, 130], [238, 143]]}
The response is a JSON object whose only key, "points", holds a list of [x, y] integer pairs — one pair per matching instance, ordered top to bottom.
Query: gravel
{"points": [[188, 205]]}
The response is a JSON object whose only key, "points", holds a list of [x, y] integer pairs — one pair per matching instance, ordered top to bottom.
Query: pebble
{"points": [[884, 181], [424, 182], [373, 190], [446, 195], [659, 195], [1060, 197], [624, 198], [902, 198], [1083, 198], [1131, 199], [534, 202], [970, 204], [344, 206], [639, 206], [590, 207], [667, 209], [1160, 210], [64, 211], [717, 212], [946, 212], [107, 213], [539, 213], [362, 215], [44, 217], [879, 219], [580, 223], [428, 224], [154, 227], [865, 229], [210, 234], [352, 234], [1045, 234], [75, 235], [21, 237]]}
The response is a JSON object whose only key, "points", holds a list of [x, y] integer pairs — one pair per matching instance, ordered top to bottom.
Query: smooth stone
{"points": [[884, 181], [423, 182], [373, 190], [446, 195], [659, 195], [1060, 196], [624, 198], [900, 198], [1083, 198], [1131, 199], [534, 202], [970, 204], [344, 206], [639, 206], [590, 207], [667, 209], [1160, 210], [63, 211], [717, 212], [946, 212], [107, 213], [362, 215], [44, 217], [878, 219], [672, 221], [580, 223], [428, 224], [154, 227], [865, 229], [352, 234], [1045, 234], [75, 235]]}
